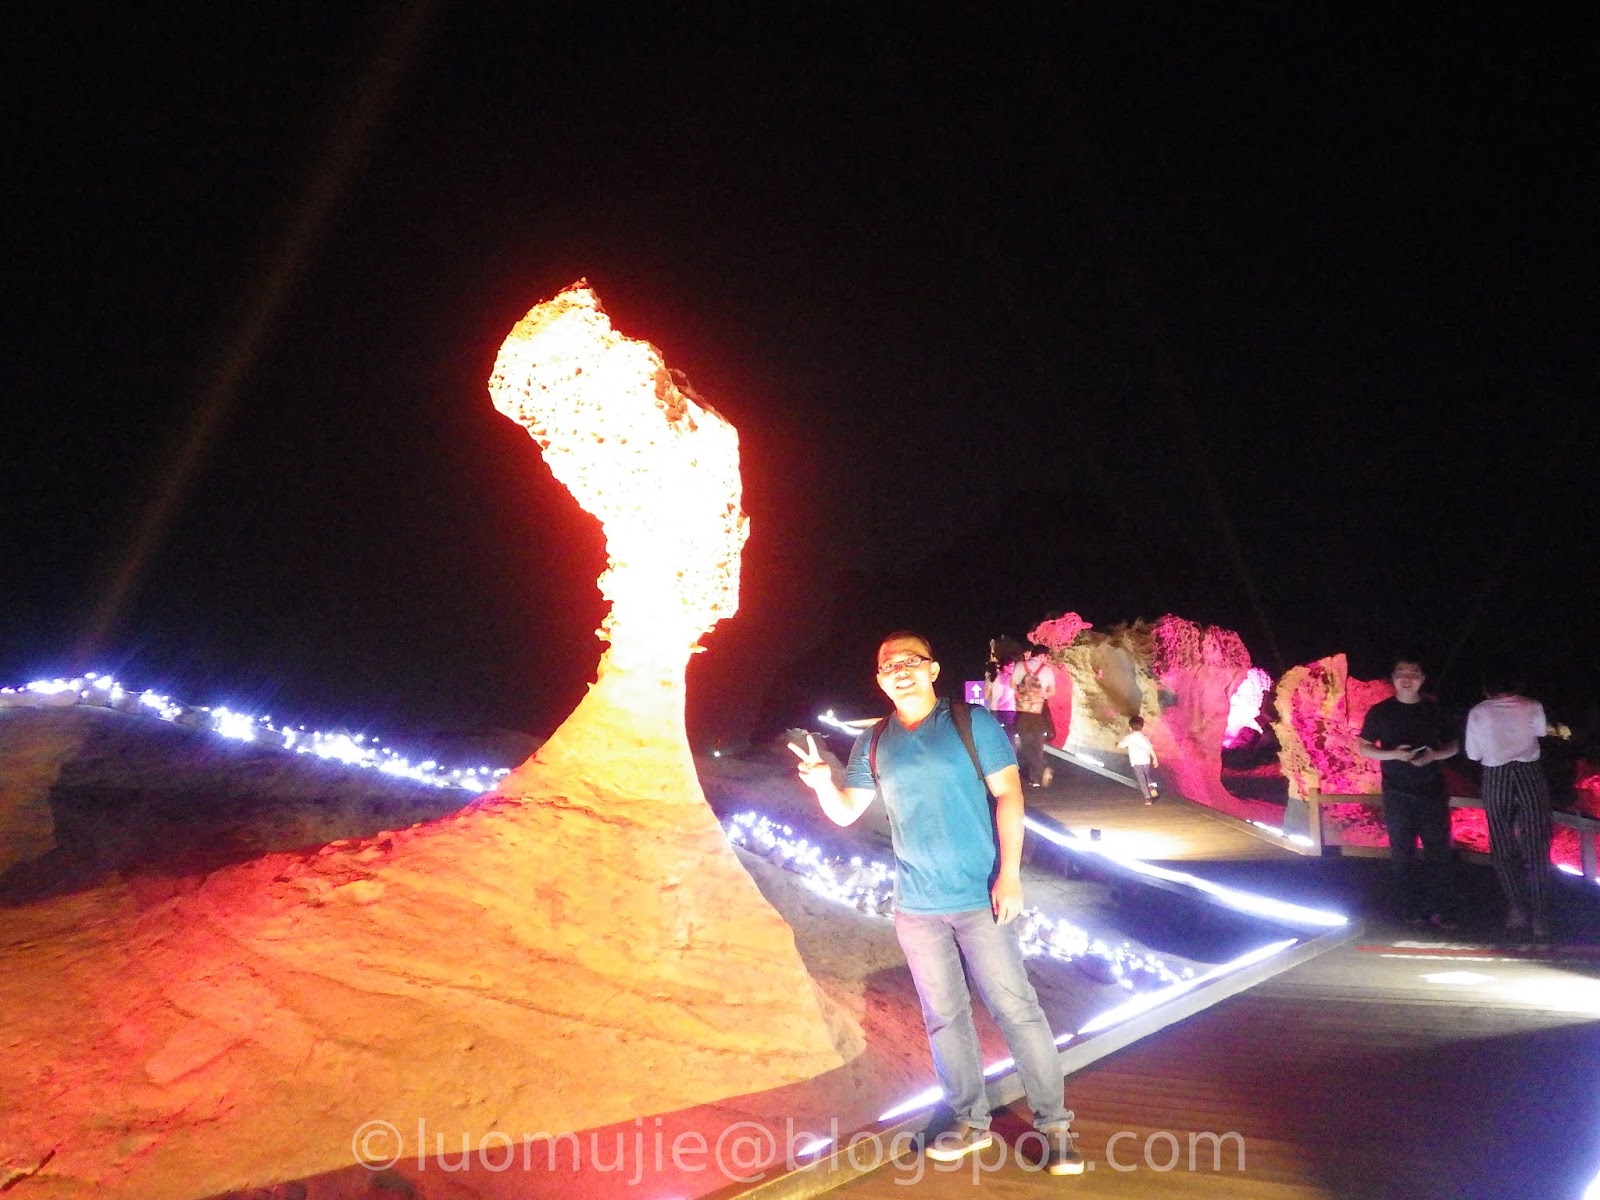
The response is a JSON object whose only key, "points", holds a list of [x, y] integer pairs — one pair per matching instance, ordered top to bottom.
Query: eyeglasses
{"points": [[909, 663]]}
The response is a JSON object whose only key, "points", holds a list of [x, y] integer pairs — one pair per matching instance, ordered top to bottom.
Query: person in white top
{"points": [[999, 697], [1503, 734], [1141, 756]]}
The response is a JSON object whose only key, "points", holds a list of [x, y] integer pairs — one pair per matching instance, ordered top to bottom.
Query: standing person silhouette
{"points": [[1034, 681], [999, 697], [1503, 734], [1409, 736], [958, 888]]}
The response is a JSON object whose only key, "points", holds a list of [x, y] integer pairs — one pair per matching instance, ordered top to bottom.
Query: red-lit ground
{"points": [[580, 947], [177, 1026]]}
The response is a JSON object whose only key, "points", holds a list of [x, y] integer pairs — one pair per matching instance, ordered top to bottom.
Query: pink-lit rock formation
{"points": [[1058, 635], [1199, 668], [1109, 673], [1179, 676], [1244, 708], [1320, 710], [1586, 785], [579, 949]]}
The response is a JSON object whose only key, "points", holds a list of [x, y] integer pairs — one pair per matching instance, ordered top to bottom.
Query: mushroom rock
{"points": [[660, 470], [1105, 677], [1320, 711], [579, 948]]}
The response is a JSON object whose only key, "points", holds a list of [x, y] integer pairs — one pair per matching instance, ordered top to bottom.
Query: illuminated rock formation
{"points": [[661, 472], [1058, 635], [1199, 668], [1107, 675], [1182, 678], [1244, 708], [1320, 710], [617, 781], [1586, 786], [579, 949]]}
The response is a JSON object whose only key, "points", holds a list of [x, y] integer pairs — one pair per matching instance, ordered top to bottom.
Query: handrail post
{"points": [[1314, 813]]}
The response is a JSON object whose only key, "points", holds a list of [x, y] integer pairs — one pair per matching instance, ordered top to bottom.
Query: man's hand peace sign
{"points": [[814, 772]]}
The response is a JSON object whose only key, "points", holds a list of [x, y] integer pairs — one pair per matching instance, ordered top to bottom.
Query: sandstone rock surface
{"points": [[1058, 635], [1198, 667], [1178, 675], [1111, 681], [1320, 710], [29, 768], [184, 1035]]}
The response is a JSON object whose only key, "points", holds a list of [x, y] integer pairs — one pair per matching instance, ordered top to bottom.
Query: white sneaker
{"points": [[955, 1144], [1063, 1157]]}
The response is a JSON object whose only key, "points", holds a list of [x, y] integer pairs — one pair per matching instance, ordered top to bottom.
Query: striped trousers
{"points": [[1516, 799]]}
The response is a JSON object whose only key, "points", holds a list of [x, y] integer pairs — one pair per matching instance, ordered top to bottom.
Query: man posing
{"points": [[1409, 737], [958, 887]]}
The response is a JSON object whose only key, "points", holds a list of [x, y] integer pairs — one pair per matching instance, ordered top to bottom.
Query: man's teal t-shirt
{"points": [[944, 841]]}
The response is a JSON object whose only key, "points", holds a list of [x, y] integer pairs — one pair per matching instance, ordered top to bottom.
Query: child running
{"points": [[1141, 756]]}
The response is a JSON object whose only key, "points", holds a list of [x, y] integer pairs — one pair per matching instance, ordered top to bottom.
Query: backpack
{"points": [[1030, 692], [960, 717]]}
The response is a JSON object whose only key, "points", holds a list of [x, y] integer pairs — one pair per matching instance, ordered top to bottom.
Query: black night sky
{"points": [[1270, 316]]}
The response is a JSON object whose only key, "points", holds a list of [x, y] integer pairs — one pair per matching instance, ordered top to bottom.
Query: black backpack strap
{"points": [[960, 717]]}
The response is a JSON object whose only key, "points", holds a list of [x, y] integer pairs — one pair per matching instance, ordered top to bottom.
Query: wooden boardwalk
{"points": [[1170, 830], [1401, 1065]]}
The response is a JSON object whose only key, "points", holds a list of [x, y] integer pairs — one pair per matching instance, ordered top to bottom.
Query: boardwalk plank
{"points": [[1351, 1075]]}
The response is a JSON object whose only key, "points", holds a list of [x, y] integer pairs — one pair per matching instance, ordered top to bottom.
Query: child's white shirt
{"points": [[1140, 752]]}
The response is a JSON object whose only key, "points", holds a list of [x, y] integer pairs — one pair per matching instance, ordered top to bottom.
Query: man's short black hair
{"points": [[907, 633], [1414, 659], [1136, 722]]}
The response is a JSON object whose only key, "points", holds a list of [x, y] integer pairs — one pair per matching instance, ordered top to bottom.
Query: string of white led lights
{"points": [[354, 750], [869, 887]]}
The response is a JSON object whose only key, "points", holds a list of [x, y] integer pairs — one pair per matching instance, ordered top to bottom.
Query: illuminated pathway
{"points": [[1168, 831], [1398, 1065]]}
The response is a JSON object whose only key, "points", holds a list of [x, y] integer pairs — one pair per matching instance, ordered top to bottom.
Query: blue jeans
{"points": [[935, 946]]}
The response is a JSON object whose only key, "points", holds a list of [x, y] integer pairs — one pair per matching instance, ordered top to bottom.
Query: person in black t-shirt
{"points": [[1409, 736]]}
